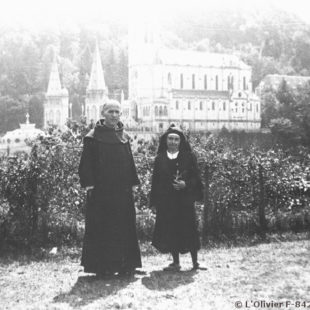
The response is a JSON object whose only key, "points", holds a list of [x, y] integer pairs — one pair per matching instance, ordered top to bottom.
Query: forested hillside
{"points": [[269, 41]]}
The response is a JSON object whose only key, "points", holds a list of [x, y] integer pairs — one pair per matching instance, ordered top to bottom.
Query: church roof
{"points": [[196, 58], [96, 81], [54, 85]]}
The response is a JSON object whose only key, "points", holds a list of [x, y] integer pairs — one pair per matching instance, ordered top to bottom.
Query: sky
{"points": [[42, 12]]}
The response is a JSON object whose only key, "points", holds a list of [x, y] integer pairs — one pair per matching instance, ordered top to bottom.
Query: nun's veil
{"points": [[184, 144]]}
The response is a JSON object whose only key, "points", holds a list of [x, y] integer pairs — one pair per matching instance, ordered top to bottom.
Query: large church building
{"points": [[198, 90]]}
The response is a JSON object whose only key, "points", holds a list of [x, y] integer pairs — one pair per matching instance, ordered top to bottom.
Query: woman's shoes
{"points": [[196, 266], [172, 267], [176, 267]]}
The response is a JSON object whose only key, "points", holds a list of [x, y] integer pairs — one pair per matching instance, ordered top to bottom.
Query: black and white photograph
{"points": [[154, 155]]}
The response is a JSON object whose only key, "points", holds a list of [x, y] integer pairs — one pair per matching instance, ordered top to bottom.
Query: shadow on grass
{"points": [[163, 280], [87, 289]]}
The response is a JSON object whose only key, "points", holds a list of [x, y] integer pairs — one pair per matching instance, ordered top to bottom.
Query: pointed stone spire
{"points": [[96, 81], [54, 86]]}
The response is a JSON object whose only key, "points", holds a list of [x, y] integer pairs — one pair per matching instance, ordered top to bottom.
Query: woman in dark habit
{"points": [[176, 185]]}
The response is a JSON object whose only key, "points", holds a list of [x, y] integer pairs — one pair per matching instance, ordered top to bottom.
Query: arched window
{"points": [[169, 79], [181, 81], [193, 81], [205, 82], [216, 82], [228, 82], [244, 83], [177, 105], [200, 105], [213, 105], [189, 106], [224, 106], [156, 111], [160, 111], [165, 111], [93, 113], [51, 117], [58, 117]]}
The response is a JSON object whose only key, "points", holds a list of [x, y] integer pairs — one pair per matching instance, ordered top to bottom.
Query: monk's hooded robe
{"points": [[110, 241]]}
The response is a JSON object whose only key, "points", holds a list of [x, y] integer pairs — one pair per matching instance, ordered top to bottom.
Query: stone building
{"points": [[198, 90], [97, 91], [56, 105], [17, 139]]}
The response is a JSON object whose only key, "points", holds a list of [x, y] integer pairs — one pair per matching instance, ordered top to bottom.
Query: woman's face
{"points": [[173, 142]]}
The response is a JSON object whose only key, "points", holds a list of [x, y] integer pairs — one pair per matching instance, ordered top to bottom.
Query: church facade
{"points": [[200, 91]]}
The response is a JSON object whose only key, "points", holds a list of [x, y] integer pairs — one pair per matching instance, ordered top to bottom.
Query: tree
{"points": [[270, 107], [35, 108], [12, 113]]}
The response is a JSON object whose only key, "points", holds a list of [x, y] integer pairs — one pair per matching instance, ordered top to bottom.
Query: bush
{"points": [[42, 203]]}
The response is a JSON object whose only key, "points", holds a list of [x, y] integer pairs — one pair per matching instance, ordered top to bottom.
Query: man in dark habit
{"points": [[107, 171]]}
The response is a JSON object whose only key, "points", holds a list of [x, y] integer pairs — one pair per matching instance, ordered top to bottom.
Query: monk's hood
{"points": [[109, 135]]}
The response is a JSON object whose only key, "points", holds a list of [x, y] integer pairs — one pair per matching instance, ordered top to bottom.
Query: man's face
{"points": [[112, 115], [173, 142]]}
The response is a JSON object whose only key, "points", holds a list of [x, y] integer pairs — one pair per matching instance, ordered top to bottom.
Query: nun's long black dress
{"points": [[176, 225], [110, 241]]}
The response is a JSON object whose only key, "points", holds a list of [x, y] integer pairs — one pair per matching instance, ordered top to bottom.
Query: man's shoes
{"points": [[196, 266], [172, 267], [126, 272], [140, 272]]}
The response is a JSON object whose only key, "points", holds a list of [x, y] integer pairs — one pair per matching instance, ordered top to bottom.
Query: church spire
{"points": [[96, 81], [54, 86]]}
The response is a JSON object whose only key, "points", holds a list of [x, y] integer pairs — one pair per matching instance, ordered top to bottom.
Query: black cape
{"points": [[110, 241]]}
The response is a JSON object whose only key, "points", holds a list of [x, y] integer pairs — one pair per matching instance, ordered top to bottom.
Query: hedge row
{"points": [[247, 190]]}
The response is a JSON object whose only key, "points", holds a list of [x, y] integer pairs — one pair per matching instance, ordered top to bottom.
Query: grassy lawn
{"points": [[278, 271]]}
